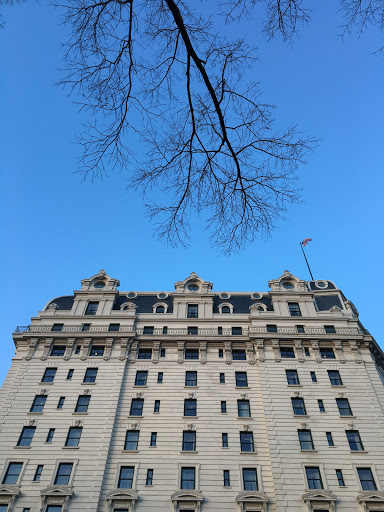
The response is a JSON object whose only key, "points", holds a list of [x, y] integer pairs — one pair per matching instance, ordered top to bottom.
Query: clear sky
{"points": [[57, 229]]}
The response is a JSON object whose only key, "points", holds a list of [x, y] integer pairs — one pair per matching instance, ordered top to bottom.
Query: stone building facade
{"points": [[194, 400]]}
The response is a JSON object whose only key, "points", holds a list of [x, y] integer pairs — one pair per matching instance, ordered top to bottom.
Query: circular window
{"points": [[100, 284], [321, 284], [288, 285], [193, 287], [131, 295], [162, 295], [224, 295], [256, 295]]}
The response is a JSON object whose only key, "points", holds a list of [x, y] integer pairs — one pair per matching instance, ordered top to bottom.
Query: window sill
{"points": [[46, 383], [88, 383], [295, 385], [140, 386], [338, 386], [189, 387], [242, 387], [156, 412], [35, 413], [79, 413], [301, 415], [132, 416], [188, 417], [245, 417], [349, 417], [152, 446], [332, 446], [22, 447], [70, 447], [225, 447], [129, 451], [189, 451], [308, 451], [359, 451], [248, 453], [35, 481]]}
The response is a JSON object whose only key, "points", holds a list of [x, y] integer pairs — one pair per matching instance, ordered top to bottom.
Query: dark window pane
{"points": [[91, 308], [160, 309], [225, 309], [294, 309], [193, 311], [57, 327], [86, 327], [114, 327], [271, 328], [148, 329], [300, 329], [329, 329], [193, 330], [237, 331], [97, 350], [58, 351], [306, 351], [287, 352], [145, 353], [191, 353], [327, 353], [239, 355], [70, 374], [49, 375], [90, 375], [160, 376], [313, 376], [292, 377], [334, 377], [141, 378], [191, 378], [222, 378], [241, 379], [38, 403], [60, 403], [82, 403], [321, 405], [157, 406], [223, 406], [298, 406], [137, 407], [189, 407], [344, 407], [243, 409], [50, 435], [26, 436], [73, 437], [153, 439], [329, 439], [131, 440], [189, 440], [224, 440], [354, 440], [306, 441], [246, 442], [38, 473], [63, 473], [12, 474], [126, 477], [149, 478], [187, 478], [226, 478], [314, 478], [340, 478], [250, 479], [366, 479]]}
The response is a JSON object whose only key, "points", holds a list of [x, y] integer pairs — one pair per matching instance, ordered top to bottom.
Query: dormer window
{"points": [[99, 284], [288, 285], [193, 287], [91, 308], [160, 309], [225, 309], [193, 311]]}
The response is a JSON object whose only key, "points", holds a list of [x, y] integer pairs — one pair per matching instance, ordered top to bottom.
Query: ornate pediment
{"points": [[9, 490], [57, 491], [123, 494], [187, 495], [319, 495], [373, 496], [252, 497]]}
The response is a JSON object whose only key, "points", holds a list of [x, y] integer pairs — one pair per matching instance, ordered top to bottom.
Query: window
{"points": [[91, 308], [160, 309], [225, 309], [294, 309], [193, 311], [57, 327], [86, 327], [114, 327], [271, 328], [148, 329], [300, 329], [329, 329], [193, 330], [220, 331], [237, 331], [77, 350], [97, 350], [162, 350], [58, 351], [306, 351], [287, 352], [144, 353], [191, 353], [221, 353], [327, 353], [239, 355], [70, 374], [49, 375], [90, 375], [313, 376], [160, 377], [292, 377], [334, 377], [141, 378], [190, 378], [222, 378], [241, 379], [38, 403], [60, 403], [82, 403], [321, 405], [157, 406], [298, 406], [137, 407], [189, 407], [223, 407], [344, 407], [243, 409], [51, 433], [26, 436], [73, 437], [153, 439], [330, 439], [131, 440], [224, 440], [354, 440], [189, 441], [306, 441], [246, 442], [38, 472], [63, 473], [12, 474], [126, 477], [314, 477], [149, 478], [187, 478], [226, 478], [340, 478], [250, 479], [366, 479], [54, 508], [24, 509]]}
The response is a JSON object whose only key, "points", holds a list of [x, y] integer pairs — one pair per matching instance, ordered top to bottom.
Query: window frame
{"points": [[90, 309], [294, 309], [192, 310], [60, 349], [95, 349], [144, 351], [188, 352], [287, 352], [239, 353], [49, 368], [296, 374], [86, 376], [239, 379], [188, 380], [335, 381], [143, 382], [293, 398], [190, 401], [240, 402], [38, 405], [156, 406], [133, 407], [349, 409], [23, 438], [74, 440], [126, 440], [153, 440], [224, 440], [302, 441], [186, 442], [358, 443], [242, 444], [136, 465], [57, 466], [196, 468], [248, 468], [38, 472], [4, 473], [149, 477], [321, 477], [119, 479], [376, 480]]}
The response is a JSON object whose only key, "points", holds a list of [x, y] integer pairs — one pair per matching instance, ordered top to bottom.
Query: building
{"points": [[194, 400]]}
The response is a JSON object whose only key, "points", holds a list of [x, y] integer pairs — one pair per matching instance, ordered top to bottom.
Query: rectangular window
{"points": [[91, 308], [294, 309], [193, 311], [57, 327], [86, 327], [114, 327], [271, 328], [148, 329], [300, 329], [329, 329], [192, 330], [220, 331], [237, 331], [77, 350], [162, 350], [58, 351], [97, 351], [306, 351], [287, 352], [144, 353], [191, 353], [221, 353], [327, 353], [239, 355], [70, 374], [49, 375], [90, 375], [313, 376], [160, 377], [292, 377], [334, 377], [141, 378], [190, 378], [222, 378], [241, 379], [38, 403], [60, 403], [82, 403], [320, 403], [157, 406], [298, 406], [136, 407], [190, 407], [223, 407], [344, 407], [243, 409], [51, 433], [26, 436], [73, 437], [153, 439], [330, 439], [131, 440], [224, 440], [354, 440], [189, 441], [306, 441], [246, 442], [38, 472], [63, 473], [12, 474], [126, 477], [314, 477], [188, 478], [226, 478], [340, 478], [149, 479], [250, 479], [366, 479], [54, 508], [24, 509]]}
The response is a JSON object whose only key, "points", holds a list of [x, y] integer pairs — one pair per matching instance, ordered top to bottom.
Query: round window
{"points": [[100, 284], [321, 284], [288, 285], [193, 287], [131, 295], [162, 295], [224, 295], [256, 295]]}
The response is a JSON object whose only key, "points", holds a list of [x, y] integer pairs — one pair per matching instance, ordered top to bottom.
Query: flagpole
{"points": [[302, 248]]}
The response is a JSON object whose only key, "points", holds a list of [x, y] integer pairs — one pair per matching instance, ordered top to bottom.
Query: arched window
{"points": [[260, 308], [160, 309], [225, 309]]}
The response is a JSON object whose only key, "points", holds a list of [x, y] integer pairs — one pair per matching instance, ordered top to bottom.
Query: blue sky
{"points": [[58, 229]]}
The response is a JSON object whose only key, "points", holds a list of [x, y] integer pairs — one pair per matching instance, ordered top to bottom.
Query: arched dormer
{"points": [[100, 282], [287, 282], [193, 284], [160, 307], [225, 308], [187, 499]]}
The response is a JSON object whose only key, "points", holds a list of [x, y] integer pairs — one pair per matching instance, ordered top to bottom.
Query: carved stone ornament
{"points": [[52, 306], [335, 309], [31, 346], [260, 350], [276, 350], [228, 351], [180, 352], [203, 352], [9, 495], [56, 495], [122, 498], [320, 499], [375, 499], [187, 500], [252, 500]]}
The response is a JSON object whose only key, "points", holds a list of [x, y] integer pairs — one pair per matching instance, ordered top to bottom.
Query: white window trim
{"points": [[160, 304], [226, 304], [64, 461], [6, 464], [188, 464], [320, 465], [373, 469], [258, 472], [135, 473]]}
